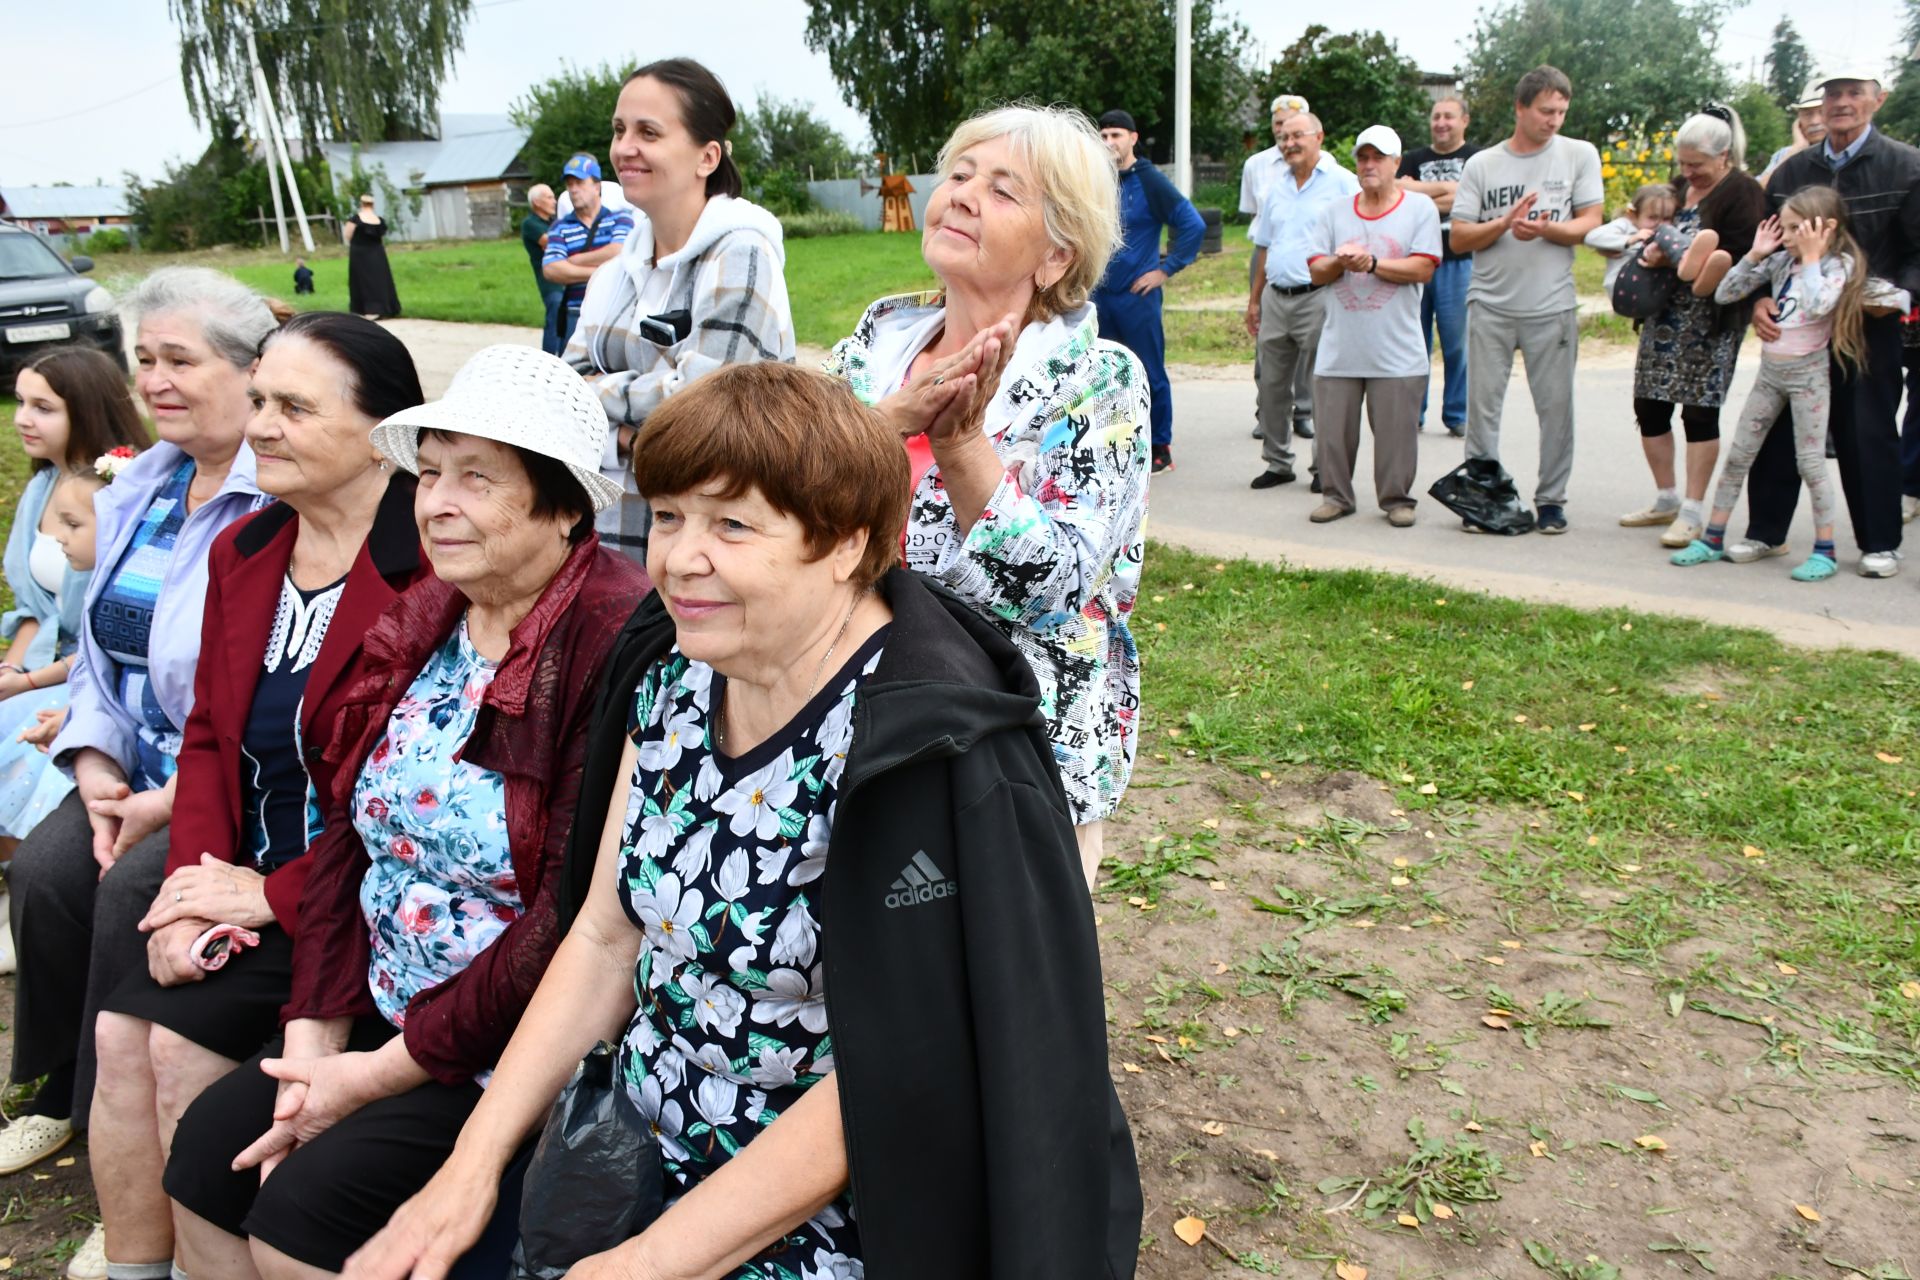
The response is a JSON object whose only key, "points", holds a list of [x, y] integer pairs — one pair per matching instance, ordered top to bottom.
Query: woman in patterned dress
{"points": [[1688, 351], [1026, 434], [291, 592], [806, 763], [89, 871], [429, 911]]}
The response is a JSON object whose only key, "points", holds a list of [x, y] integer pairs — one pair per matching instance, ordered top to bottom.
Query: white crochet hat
{"points": [[519, 396]]}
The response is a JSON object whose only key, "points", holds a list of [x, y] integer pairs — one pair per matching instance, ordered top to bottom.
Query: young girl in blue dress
{"points": [[74, 410]]}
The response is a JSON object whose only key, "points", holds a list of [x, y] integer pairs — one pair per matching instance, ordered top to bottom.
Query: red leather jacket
{"points": [[244, 572], [532, 729]]}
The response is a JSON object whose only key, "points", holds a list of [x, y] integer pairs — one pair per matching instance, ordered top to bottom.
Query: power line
{"points": [[98, 106]]}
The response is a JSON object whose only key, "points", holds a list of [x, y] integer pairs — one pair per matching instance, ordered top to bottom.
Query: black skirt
{"points": [[232, 1011]]}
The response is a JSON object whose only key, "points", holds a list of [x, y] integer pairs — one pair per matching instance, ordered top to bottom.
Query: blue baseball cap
{"points": [[582, 166]]}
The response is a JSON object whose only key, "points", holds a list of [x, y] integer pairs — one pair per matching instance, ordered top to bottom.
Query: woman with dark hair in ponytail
{"points": [[699, 283], [291, 593]]}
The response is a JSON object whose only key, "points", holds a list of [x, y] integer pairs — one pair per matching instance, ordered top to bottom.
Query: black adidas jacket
{"points": [[1881, 186], [983, 1132]]}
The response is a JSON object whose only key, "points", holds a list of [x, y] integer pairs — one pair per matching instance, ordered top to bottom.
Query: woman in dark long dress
{"points": [[369, 279]]}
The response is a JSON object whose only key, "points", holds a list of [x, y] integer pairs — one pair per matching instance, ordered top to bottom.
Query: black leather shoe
{"points": [[1304, 428], [1162, 458], [1271, 479], [1315, 486]]}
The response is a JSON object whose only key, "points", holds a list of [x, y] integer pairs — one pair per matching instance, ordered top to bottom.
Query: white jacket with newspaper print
{"points": [[1055, 558]]}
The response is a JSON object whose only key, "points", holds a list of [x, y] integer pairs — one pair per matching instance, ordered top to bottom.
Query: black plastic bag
{"points": [[1480, 492], [595, 1180]]}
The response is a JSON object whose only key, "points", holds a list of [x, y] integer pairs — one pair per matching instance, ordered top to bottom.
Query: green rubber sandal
{"points": [[1696, 552], [1816, 568]]}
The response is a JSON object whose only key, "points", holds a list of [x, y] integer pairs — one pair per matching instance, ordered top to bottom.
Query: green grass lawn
{"points": [[1754, 776]]}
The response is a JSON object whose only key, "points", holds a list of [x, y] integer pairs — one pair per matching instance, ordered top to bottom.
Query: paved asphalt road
{"points": [[1205, 504]]}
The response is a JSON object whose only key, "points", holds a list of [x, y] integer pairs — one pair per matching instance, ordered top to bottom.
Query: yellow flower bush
{"points": [[1631, 161]]}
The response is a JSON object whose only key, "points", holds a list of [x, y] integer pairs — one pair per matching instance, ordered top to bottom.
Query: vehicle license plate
{"points": [[40, 333]]}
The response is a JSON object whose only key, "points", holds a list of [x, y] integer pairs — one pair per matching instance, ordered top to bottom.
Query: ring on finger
{"points": [[177, 895]]}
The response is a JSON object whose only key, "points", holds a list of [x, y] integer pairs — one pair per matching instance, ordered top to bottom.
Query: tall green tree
{"points": [[1635, 64], [1789, 64], [916, 68], [345, 69], [1351, 81], [567, 112], [1900, 115], [1769, 125], [780, 146]]}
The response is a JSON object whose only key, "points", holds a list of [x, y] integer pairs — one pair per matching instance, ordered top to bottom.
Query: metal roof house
{"points": [[463, 180], [68, 211]]}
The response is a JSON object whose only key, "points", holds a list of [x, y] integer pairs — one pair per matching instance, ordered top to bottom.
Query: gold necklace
{"points": [[720, 714]]}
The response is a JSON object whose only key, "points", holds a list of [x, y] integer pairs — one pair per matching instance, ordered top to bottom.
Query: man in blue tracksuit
{"points": [[1128, 297]]}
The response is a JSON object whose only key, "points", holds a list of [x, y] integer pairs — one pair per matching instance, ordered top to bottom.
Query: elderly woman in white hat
{"points": [[430, 912]]}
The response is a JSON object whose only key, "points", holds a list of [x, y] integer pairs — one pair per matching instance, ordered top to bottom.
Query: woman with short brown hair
{"points": [[806, 762]]}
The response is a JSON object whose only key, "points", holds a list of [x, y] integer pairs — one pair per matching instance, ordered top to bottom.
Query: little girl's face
{"points": [[1650, 219], [1790, 223], [72, 504]]}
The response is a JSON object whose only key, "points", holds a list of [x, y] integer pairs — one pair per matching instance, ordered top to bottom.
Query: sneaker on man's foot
{"points": [[1458, 433], [1258, 434], [1162, 458], [1269, 479], [1909, 508], [1328, 512], [1649, 516], [1401, 517], [1550, 518], [1682, 532], [1747, 550], [1880, 564], [31, 1139], [89, 1261]]}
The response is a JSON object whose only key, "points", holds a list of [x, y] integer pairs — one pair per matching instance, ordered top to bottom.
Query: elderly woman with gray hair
{"points": [[1687, 352], [1026, 434], [87, 874]]}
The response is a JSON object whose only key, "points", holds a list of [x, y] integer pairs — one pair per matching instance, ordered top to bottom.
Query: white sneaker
{"points": [[1909, 508], [1649, 516], [1682, 532], [1747, 550], [1880, 564], [31, 1139], [90, 1261]]}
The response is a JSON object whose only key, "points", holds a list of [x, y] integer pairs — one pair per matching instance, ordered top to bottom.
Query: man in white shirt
{"points": [[1256, 175]]}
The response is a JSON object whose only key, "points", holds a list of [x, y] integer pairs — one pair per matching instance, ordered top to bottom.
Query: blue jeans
{"points": [[1445, 300], [566, 318], [1133, 320], [550, 339]]}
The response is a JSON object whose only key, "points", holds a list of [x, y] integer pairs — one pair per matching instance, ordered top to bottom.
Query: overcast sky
{"points": [[86, 108]]}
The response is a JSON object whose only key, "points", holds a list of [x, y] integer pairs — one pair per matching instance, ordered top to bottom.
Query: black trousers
{"points": [[1910, 432], [1866, 446], [77, 943]]}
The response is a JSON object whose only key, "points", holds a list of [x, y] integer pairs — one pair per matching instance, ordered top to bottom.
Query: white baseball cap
{"points": [[1847, 71], [1380, 138], [519, 396]]}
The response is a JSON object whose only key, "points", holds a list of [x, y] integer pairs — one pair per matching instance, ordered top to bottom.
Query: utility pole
{"points": [[1183, 97], [266, 138], [277, 142]]}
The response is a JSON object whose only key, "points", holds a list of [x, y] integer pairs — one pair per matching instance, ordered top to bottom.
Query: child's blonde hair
{"points": [[1653, 195], [1849, 314]]}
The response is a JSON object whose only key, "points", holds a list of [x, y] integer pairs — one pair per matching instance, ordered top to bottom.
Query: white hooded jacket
{"points": [[729, 277]]}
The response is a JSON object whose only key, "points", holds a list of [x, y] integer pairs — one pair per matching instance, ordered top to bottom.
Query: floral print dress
{"points": [[1684, 356], [721, 871], [441, 888]]}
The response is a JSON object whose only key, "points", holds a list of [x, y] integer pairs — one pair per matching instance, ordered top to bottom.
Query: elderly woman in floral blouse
{"points": [[1026, 434], [431, 908]]}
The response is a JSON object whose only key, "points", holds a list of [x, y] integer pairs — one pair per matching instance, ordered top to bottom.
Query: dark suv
{"points": [[44, 302]]}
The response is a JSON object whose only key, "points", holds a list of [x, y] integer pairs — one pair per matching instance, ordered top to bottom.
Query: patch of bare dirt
{"points": [[1263, 1057]]}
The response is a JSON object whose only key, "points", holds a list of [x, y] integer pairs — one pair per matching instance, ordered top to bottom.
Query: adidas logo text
{"points": [[920, 881]]}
